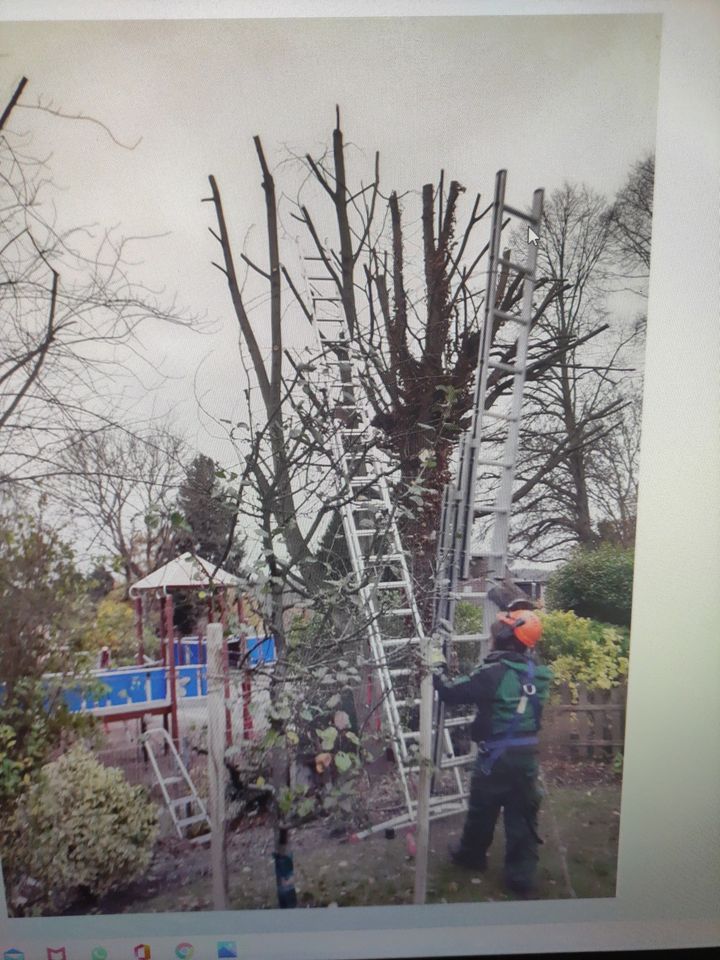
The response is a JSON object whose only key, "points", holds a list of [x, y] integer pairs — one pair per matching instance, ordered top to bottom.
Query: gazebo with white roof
{"points": [[187, 572]]}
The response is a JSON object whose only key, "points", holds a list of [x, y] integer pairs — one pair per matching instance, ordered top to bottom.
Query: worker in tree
{"points": [[508, 691]]}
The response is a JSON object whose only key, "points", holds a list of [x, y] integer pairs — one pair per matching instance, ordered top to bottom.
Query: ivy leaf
{"points": [[328, 737], [343, 761], [305, 807]]}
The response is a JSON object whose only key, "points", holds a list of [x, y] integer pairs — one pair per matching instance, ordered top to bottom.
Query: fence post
{"points": [[217, 773]]}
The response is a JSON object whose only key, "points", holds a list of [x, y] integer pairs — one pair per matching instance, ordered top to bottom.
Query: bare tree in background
{"points": [[631, 216], [69, 320], [578, 405], [613, 471], [122, 490]]}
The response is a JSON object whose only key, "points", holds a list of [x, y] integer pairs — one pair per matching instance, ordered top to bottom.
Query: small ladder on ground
{"points": [[488, 451], [391, 618], [181, 798]]}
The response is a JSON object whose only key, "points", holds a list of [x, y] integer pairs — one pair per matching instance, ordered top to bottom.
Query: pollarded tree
{"points": [[413, 319]]}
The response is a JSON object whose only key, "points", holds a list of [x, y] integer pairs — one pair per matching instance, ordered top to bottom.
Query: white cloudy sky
{"points": [[549, 98]]}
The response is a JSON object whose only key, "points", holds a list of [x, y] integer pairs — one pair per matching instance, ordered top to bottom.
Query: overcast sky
{"points": [[549, 98]]}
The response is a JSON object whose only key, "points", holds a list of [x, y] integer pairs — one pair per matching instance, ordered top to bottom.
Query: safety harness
{"points": [[494, 749]]}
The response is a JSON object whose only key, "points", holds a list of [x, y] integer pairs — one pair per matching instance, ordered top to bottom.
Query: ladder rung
{"points": [[514, 212], [517, 267], [509, 317], [507, 367], [507, 417], [490, 462], [385, 557], [389, 585], [469, 595], [399, 611], [468, 637], [399, 641], [400, 672], [408, 703], [458, 721], [457, 761], [168, 781], [189, 799], [188, 821], [203, 838]]}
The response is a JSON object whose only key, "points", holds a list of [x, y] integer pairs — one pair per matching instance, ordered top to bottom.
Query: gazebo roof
{"points": [[187, 571]]}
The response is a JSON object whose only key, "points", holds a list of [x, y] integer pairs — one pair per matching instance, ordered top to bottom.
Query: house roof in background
{"points": [[531, 574]]}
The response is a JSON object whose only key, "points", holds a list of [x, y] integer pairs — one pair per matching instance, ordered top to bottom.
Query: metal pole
{"points": [[170, 647], [216, 764], [425, 777]]}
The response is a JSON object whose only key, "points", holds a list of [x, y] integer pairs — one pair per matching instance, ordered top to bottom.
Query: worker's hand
{"points": [[438, 663]]}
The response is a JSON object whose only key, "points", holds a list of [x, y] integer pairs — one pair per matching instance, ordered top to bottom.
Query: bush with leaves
{"points": [[595, 583], [114, 626], [584, 651], [42, 652], [81, 830]]}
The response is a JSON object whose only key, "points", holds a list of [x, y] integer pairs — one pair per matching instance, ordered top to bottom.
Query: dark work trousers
{"points": [[511, 786]]}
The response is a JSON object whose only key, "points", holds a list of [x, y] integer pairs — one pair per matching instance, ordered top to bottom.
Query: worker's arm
{"points": [[473, 689]]}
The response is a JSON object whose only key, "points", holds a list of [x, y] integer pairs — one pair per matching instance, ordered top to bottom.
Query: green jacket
{"points": [[495, 689]]}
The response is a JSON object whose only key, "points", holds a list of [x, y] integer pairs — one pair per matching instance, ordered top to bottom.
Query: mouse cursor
{"points": [[532, 236]]}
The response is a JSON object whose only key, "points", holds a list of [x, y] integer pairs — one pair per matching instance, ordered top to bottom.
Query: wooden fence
{"points": [[591, 728]]}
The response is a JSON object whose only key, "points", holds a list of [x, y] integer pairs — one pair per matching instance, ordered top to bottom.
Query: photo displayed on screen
{"points": [[321, 362]]}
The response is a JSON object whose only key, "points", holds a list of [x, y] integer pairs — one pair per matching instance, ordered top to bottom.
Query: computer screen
{"points": [[358, 479]]}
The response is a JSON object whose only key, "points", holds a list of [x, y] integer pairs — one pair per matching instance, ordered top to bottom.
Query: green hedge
{"points": [[595, 583]]}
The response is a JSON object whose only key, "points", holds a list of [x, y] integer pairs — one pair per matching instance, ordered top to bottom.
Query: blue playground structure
{"points": [[130, 691]]}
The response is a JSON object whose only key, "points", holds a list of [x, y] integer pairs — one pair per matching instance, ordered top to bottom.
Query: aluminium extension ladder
{"points": [[491, 443], [377, 557], [391, 618], [178, 790]]}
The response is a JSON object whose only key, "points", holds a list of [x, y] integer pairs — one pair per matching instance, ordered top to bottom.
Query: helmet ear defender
{"points": [[522, 625]]}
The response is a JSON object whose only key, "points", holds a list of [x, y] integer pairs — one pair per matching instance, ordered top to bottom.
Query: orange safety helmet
{"points": [[524, 625]]}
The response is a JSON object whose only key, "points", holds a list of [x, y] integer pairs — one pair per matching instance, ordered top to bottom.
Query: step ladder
{"points": [[488, 450], [391, 618], [181, 798]]}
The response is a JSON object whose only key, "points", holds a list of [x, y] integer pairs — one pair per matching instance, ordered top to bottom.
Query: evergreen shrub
{"points": [[595, 583], [81, 829]]}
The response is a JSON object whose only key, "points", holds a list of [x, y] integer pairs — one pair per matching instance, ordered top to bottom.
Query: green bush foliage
{"points": [[595, 583], [114, 626], [585, 651], [42, 652], [81, 829]]}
